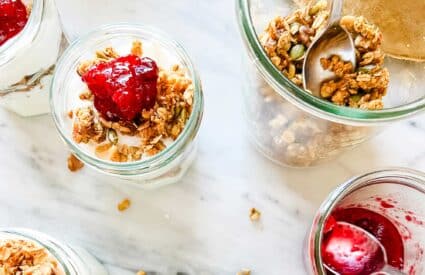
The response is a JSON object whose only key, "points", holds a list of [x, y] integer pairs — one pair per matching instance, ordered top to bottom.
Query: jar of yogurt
{"points": [[28, 57], [127, 101], [43, 255]]}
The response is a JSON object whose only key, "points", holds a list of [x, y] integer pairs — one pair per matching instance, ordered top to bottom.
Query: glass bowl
{"points": [[294, 128], [169, 165], [395, 193], [72, 260]]}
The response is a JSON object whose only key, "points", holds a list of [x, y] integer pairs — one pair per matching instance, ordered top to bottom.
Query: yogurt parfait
{"points": [[30, 42], [128, 102], [24, 251]]}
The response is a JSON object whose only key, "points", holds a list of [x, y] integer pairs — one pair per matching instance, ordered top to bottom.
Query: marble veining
{"points": [[201, 225]]}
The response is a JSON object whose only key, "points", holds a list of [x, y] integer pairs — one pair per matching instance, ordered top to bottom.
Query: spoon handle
{"points": [[336, 11]]}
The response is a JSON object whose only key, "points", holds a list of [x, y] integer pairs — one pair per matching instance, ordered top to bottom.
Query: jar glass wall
{"points": [[27, 61], [294, 128], [169, 165], [396, 194], [71, 260]]}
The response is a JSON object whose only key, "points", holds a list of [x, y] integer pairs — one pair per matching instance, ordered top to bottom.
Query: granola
{"points": [[286, 40], [151, 131], [74, 164], [124, 205], [254, 214], [25, 257], [244, 272]]}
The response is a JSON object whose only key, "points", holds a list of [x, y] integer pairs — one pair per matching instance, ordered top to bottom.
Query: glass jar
{"points": [[27, 61], [294, 128], [169, 165], [396, 194], [74, 261]]}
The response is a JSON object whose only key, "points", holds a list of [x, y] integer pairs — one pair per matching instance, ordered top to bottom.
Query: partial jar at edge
{"points": [[27, 61], [295, 129], [168, 166], [405, 188], [73, 260]]}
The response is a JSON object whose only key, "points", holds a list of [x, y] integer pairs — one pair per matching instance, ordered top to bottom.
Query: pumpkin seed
{"points": [[295, 27], [297, 51], [355, 98], [112, 136]]}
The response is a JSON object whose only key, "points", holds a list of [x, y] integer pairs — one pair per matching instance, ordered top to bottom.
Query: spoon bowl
{"points": [[334, 40], [351, 249]]}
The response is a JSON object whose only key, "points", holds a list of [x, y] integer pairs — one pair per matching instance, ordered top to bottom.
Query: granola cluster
{"points": [[286, 40], [365, 86], [151, 130], [21, 257]]}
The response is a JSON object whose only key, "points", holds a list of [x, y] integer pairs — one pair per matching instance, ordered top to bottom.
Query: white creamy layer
{"points": [[41, 54]]}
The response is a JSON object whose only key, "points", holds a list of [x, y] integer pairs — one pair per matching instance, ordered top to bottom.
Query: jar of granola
{"points": [[28, 57], [127, 101], [289, 124], [32, 252]]}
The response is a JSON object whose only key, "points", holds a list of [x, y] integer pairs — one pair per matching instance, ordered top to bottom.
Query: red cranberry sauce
{"points": [[13, 18], [123, 87], [377, 225]]}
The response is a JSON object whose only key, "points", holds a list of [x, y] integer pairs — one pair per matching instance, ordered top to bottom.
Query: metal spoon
{"points": [[334, 40], [371, 245]]}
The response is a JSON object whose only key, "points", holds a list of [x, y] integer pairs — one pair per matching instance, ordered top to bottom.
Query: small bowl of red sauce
{"points": [[388, 204]]}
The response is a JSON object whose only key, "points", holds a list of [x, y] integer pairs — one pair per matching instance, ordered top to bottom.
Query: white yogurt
{"points": [[37, 56]]}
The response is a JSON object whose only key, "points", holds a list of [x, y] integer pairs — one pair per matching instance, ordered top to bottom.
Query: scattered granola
{"points": [[286, 39], [151, 130], [74, 164], [124, 205], [254, 214], [22, 257], [244, 272]]}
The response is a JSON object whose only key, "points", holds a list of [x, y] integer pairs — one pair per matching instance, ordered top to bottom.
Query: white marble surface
{"points": [[200, 225]]}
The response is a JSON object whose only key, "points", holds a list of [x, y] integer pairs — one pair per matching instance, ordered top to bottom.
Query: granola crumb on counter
{"points": [[286, 40], [153, 128], [74, 164], [124, 205], [254, 214], [25, 257], [244, 272]]}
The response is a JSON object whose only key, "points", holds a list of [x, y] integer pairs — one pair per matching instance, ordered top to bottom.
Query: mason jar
{"points": [[27, 61], [294, 128], [169, 165], [395, 193], [71, 260]]}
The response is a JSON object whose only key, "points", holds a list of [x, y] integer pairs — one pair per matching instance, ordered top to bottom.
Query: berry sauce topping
{"points": [[13, 18], [123, 87], [349, 250], [348, 257]]}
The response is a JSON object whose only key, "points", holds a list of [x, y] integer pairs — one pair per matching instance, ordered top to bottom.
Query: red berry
{"points": [[13, 18], [123, 87]]}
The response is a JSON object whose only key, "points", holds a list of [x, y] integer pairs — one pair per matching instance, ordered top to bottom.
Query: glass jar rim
{"points": [[10, 49], [301, 98], [172, 151], [408, 177]]}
